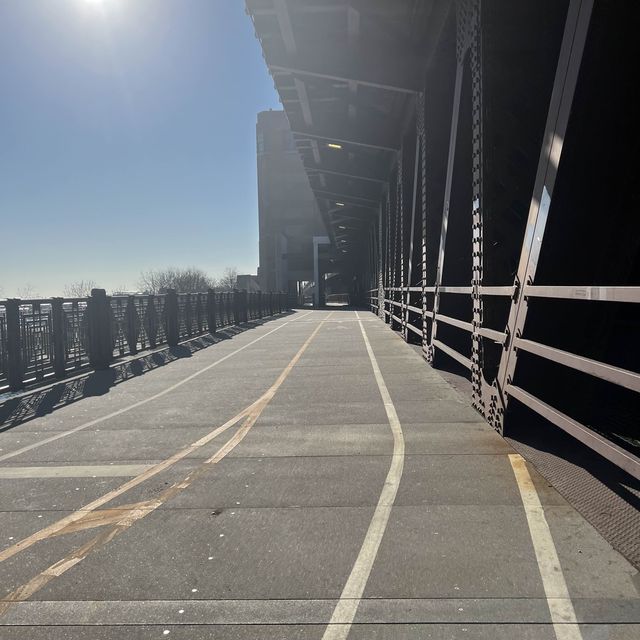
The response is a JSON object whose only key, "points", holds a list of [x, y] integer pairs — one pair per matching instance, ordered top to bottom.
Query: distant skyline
{"points": [[127, 140]]}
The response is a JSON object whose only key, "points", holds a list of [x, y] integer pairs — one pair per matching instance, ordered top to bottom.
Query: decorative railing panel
{"points": [[49, 338], [37, 344], [75, 352], [4, 365]]}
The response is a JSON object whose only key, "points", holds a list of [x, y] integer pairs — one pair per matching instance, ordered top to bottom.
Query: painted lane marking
{"points": [[346, 320], [135, 405], [74, 471], [124, 517], [64, 523], [205, 611], [345, 611], [563, 615]]}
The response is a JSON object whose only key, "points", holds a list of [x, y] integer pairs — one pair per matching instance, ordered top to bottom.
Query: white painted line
{"points": [[347, 320], [135, 405], [77, 471], [124, 518], [203, 611], [345, 611], [563, 615]]}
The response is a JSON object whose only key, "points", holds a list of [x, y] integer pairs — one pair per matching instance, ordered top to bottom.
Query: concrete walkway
{"points": [[311, 478]]}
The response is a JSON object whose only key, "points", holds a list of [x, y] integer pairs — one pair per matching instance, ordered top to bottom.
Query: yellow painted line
{"points": [[140, 403], [125, 516], [103, 517], [56, 527], [346, 608], [563, 615]]}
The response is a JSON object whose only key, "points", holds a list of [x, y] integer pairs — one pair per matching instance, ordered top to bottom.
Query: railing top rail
{"points": [[28, 301], [41, 338]]}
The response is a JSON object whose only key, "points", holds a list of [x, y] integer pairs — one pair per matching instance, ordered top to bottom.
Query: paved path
{"points": [[311, 478]]}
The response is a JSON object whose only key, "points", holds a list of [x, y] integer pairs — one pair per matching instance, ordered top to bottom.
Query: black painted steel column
{"points": [[211, 311], [171, 317], [58, 336], [100, 339], [14, 345]]}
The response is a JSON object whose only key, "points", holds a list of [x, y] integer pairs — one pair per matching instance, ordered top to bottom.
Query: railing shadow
{"points": [[41, 401], [536, 434]]}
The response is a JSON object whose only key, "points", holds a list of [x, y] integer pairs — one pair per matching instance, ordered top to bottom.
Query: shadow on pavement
{"points": [[42, 401], [607, 496]]}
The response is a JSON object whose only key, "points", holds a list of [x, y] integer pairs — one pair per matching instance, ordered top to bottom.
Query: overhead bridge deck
{"points": [[308, 478]]}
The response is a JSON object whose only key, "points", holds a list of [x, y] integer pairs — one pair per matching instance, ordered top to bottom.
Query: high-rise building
{"points": [[289, 217]]}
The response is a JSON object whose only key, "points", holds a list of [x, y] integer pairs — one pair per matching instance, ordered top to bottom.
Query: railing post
{"points": [[259, 294], [270, 303], [244, 305], [229, 307], [211, 311], [199, 312], [237, 312], [189, 315], [151, 321], [132, 324], [171, 328], [99, 329], [58, 331], [14, 345]]}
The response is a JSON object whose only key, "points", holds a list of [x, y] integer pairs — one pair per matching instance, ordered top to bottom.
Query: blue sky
{"points": [[127, 139]]}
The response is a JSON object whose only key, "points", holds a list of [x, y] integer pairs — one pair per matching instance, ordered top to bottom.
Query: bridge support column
{"points": [[245, 306], [211, 311], [171, 317], [132, 324], [58, 334], [100, 340], [14, 345]]}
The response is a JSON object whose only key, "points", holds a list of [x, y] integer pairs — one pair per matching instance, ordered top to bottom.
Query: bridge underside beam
{"points": [[467, 131]]}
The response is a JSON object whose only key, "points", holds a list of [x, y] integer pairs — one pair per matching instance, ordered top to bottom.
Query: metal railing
{"points": [[394, 307], [54, 337]]}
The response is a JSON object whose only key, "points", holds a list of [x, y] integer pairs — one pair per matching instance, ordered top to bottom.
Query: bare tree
{"points": [[189, 280], [228, 280], [79, 289], [122, 290], [28, 291]]}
